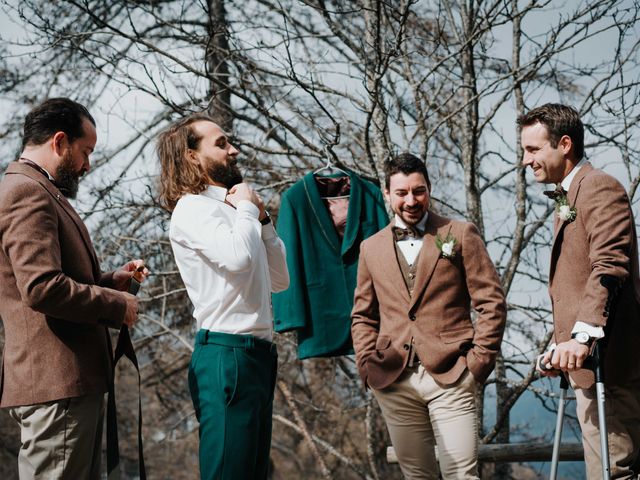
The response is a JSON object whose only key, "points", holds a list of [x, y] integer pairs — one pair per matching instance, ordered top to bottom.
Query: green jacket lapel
{"points": [[320, 212], [353, 214]]}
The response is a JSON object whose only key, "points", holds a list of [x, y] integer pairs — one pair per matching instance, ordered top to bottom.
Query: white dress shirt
{"points": [[566, 182], [410, 247], [229, 263], [592, 330]]}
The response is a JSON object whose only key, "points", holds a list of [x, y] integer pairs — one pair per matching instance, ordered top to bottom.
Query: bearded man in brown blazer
{"points": [[593, 283], [55, 303], [416, 345]]}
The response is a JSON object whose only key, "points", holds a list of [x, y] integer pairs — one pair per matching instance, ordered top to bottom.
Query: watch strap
{"points": [[266, 220]]}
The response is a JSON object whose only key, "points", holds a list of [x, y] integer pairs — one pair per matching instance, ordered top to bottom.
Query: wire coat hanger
{"points": [[329, 169]]}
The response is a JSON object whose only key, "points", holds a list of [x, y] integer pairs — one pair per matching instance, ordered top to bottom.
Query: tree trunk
{"points": [[216, 55], [373, 64], [469, 124]]}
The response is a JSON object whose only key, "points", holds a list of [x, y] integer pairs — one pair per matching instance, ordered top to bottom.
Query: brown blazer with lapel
{"points": [[600, 241], [53, 300], [438, 315]]}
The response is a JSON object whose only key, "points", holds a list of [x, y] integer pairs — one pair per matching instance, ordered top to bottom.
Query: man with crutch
{"points": [[594, 264]]}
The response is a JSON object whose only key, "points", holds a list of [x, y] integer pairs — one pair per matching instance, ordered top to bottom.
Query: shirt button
{"points": [[411, 275]]}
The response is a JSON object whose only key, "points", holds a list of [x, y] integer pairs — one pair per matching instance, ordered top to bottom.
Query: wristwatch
{"points": [[267, 218], [583, 338]]}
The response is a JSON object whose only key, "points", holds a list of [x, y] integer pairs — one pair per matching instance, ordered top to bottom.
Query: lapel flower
{"points": [[565, 212], [446, 246]]}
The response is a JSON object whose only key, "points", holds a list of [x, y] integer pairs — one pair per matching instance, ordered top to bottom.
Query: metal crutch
{"points": [[593, 362], [557, 439]]}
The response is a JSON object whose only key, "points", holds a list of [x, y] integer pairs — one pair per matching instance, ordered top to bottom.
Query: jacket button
{"points": [[412, 317], [406, 346]]}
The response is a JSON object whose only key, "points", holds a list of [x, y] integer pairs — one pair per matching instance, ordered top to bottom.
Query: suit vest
{"points": [[408, 271], [409, 276]]}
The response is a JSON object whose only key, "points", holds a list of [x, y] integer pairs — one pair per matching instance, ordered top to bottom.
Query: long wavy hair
{"points": [[178, 175]]}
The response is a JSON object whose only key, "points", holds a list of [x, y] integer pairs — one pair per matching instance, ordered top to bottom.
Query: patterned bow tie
{"points": [[555, 194], [404, 233]]}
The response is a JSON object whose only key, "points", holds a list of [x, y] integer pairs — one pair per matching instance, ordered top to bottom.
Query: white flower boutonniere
{"points": [[565, 212], [446, 246]]}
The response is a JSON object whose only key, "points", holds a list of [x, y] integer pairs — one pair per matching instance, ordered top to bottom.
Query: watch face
{"points": [[582, 337]]}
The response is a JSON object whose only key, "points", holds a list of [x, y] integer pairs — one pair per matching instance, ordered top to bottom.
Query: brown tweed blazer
{"points": [[600, 241], [53, 300], [438, 317]]}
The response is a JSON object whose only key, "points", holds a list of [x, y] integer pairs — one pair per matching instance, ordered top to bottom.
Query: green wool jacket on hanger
{"points": [[322, 268]]}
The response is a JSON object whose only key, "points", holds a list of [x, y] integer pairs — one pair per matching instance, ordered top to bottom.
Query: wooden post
{"points": [[517, 452]]}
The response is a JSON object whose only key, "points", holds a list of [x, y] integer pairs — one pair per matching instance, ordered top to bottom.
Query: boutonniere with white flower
{"points": [[565, 212], [446, 246]]}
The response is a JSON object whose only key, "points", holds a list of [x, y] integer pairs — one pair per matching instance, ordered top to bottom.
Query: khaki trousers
{"points": [[421, 414], [623, 424], [62, 439]]}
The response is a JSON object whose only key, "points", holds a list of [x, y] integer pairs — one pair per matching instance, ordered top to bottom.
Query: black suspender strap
{"points": [[124, 347]]}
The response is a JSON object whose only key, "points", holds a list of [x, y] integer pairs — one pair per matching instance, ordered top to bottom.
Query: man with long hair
{"points": [[230, 260]]}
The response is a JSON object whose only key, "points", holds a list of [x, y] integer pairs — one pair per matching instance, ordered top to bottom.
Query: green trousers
{"points": [[232, 380]]}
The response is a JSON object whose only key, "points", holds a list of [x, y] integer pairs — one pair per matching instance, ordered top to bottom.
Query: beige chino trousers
{"points": [[622, 407], [421, 414], [62, 439]]}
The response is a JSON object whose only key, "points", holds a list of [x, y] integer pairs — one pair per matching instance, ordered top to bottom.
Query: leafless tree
{"points": [[300, 82]]}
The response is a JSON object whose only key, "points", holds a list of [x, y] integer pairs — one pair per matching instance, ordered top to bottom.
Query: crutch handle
{"points": [[594, 362], [543, 366]]}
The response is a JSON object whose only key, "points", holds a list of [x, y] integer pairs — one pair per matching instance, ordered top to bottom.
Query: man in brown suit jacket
{"points": [[593, 283], [55, 303], [416, 345]]}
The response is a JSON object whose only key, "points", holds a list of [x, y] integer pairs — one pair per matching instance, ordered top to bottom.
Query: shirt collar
{"points": [[38, 167], [566, 183], [215, 192], [420, 225]]}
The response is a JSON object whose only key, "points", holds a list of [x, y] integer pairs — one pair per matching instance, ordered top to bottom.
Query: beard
{"points": [[228, 174], [67, 180], [411, 217]]}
